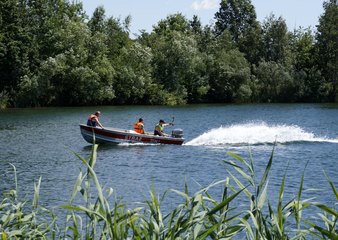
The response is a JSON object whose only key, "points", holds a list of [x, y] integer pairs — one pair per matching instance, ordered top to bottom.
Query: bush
{"points": [[3, 99]]}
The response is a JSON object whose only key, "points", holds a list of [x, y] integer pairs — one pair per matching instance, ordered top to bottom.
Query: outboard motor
{"points": [[177, 133]]}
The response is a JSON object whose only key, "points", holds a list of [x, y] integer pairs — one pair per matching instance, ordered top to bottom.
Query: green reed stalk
{"points": [[199, 216], [329, 218], [18, 221], [273, 224]]}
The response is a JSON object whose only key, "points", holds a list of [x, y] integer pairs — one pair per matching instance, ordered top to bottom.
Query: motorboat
{"points": [[117, 135]]}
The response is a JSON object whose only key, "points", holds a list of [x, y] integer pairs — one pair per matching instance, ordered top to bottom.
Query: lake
{"points": [[39, 142]]}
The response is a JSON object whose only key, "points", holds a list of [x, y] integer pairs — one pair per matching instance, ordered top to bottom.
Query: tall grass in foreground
{"points": [[94, 212]]}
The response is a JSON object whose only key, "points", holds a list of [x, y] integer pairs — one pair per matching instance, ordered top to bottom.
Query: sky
{"points": [[147, 13]]}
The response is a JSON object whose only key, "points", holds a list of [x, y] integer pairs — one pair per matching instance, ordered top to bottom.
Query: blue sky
{"points": [[147, 13]]}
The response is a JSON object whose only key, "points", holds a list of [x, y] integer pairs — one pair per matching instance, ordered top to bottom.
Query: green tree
{"points": [[236, 16], [239, 18], [47, 21], [98, 21], [174, 22], [196, 25], [31, 34], [117, 35], [204, 35], [276, 40], [302, 43], [251, 44], [14, 47], [327, 47], [169, 63], [178, 64], [304, 70], [229, 72], [78, 75], [134, 75], [274, 83]]}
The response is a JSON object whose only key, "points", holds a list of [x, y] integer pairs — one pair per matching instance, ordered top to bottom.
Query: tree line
{"points": [[53, 54]]}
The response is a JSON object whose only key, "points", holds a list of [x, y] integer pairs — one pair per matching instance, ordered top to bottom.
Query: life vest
{"points": [[92, 119], [139, 127], [158, 130]]}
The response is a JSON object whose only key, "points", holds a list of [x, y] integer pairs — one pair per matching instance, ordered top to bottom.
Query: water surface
{"points": [[39, 143]]}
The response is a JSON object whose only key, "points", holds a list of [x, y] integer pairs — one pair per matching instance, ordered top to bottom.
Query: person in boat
{"points": [[93, 120], [139, 126], [159, 128]]}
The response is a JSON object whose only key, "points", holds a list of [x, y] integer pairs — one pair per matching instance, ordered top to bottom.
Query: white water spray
{"points": [[256, 133]]}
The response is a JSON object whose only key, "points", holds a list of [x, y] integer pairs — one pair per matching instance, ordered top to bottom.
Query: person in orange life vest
{"points": [[93, 120], [139, 126], [159, 128]]}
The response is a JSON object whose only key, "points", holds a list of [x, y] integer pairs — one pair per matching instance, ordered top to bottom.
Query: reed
{"points": [[93, 211], [20, 221]]}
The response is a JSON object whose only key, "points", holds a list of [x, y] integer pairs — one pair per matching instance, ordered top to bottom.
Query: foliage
{"points": [[235, 16], [239, 19], [173, 23], [276, 40], [14, 46], [327, 47], [53, 54], [176, 59], [228, 73], [274, 83], [3, 99], [19, 221]]}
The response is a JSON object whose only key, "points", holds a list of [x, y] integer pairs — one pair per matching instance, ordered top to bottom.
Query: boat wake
{"points": [[255, 134]]}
